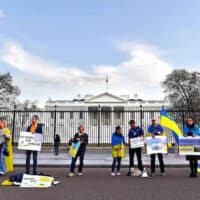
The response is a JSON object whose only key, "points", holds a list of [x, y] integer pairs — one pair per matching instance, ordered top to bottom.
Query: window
{"points": [[52, 115], [62, 115], [71, 115], [80, 115], [106, 115]]}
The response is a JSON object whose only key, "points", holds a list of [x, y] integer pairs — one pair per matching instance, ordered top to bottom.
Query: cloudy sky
{"points": [[59, 49]]}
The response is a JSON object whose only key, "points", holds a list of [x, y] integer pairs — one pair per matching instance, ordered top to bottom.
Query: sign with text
{"points": [[29, 141], [136, 142], [158, 144], [189, 145], [34, 181]]}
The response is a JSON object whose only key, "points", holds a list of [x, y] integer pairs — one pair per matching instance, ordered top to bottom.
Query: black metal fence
{"points": [[98, 124]]}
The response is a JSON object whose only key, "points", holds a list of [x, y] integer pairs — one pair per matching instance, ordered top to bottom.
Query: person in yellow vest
{"points": [[6, 152]]}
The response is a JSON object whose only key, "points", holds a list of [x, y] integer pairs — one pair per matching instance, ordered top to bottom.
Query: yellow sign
{"points": [[186, 149]]}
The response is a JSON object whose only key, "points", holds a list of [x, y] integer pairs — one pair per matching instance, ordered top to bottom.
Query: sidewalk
{"points": [[94, 158]]}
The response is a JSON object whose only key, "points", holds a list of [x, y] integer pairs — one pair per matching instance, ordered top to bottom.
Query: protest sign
{"points": [[29, 141], [136, 142], [158, 144], [189, 146]]}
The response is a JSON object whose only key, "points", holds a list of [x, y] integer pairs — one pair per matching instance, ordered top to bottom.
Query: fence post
{"points": [[141, 116], [183, 116], [13, 124], [99, 124], [54, 133]]}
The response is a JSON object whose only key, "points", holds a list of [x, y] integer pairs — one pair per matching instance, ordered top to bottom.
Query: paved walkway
{"points": [[93, 158], [97, 184]]}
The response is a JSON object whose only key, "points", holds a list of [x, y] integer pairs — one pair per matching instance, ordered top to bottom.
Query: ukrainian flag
{"points": [[167, 121], [118, 148], [74, 149], [198, 168]]}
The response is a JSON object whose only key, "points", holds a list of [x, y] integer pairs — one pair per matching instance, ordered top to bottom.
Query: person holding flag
{"points": [[156, 129], [192, 129], [81, 140], [118, 150]]}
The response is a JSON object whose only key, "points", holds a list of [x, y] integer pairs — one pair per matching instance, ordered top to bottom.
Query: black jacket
{"points": [[38, 129], [83, 139]]}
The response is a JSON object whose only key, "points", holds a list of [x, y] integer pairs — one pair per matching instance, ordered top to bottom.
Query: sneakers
{"points": [[2, 174], [71, 174], [80, 174], [112, 174], [118, 174], [163, 174]]}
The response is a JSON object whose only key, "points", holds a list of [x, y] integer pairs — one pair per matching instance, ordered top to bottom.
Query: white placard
{"points": [[29, 141], [136, 142], [158, 144], [34, 181]]}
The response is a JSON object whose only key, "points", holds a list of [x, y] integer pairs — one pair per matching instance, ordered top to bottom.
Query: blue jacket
{"points": [[38, 129], [155, 129], [191, 130], [135, 132], [117, 139]]}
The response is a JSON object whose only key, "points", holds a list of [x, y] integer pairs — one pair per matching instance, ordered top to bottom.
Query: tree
{"points": [[183, 89], [8, 91], [28, 105]]}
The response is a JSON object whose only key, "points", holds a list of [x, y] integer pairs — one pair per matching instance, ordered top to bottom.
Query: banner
{"points": [[29, 141], [136, 142], [158, 144], [189, 145], [34, 181]]}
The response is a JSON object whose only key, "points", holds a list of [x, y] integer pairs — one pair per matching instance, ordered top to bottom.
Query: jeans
{"points": [[56, 148], [138, 152], [80, 154], [2, 159], [28, 159], [153, 159], [117, 161], [193, 164]]}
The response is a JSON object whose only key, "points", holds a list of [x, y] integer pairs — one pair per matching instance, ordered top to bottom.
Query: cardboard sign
{"points": [[29, 141], [136, 142], [158, 144], [189, 145], [34, 181]]}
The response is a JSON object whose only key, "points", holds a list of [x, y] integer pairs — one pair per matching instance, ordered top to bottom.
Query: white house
{"points": [[100, 114]]}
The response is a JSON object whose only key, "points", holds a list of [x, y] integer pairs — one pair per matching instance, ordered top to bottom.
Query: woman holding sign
{"points": [[192, 129], [135, 132], [118, 150], [6, 152]]}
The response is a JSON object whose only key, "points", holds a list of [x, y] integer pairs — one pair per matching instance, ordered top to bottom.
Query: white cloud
{"points": [[2, 15], [141, 73]]}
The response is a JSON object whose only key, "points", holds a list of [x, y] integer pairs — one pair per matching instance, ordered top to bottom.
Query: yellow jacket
{"points": [[9, 159]]}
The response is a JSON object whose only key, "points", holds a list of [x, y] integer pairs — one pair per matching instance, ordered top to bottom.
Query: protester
{"points": [[35, 127], [156, 129], [192, 129], [134, 132], [81, 137], [56, 144], [118, 150], [6, 152]]}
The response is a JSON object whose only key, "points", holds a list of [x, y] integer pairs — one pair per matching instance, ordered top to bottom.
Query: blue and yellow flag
{"points": [[167, 121], [74, 149], [198, 168]]}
